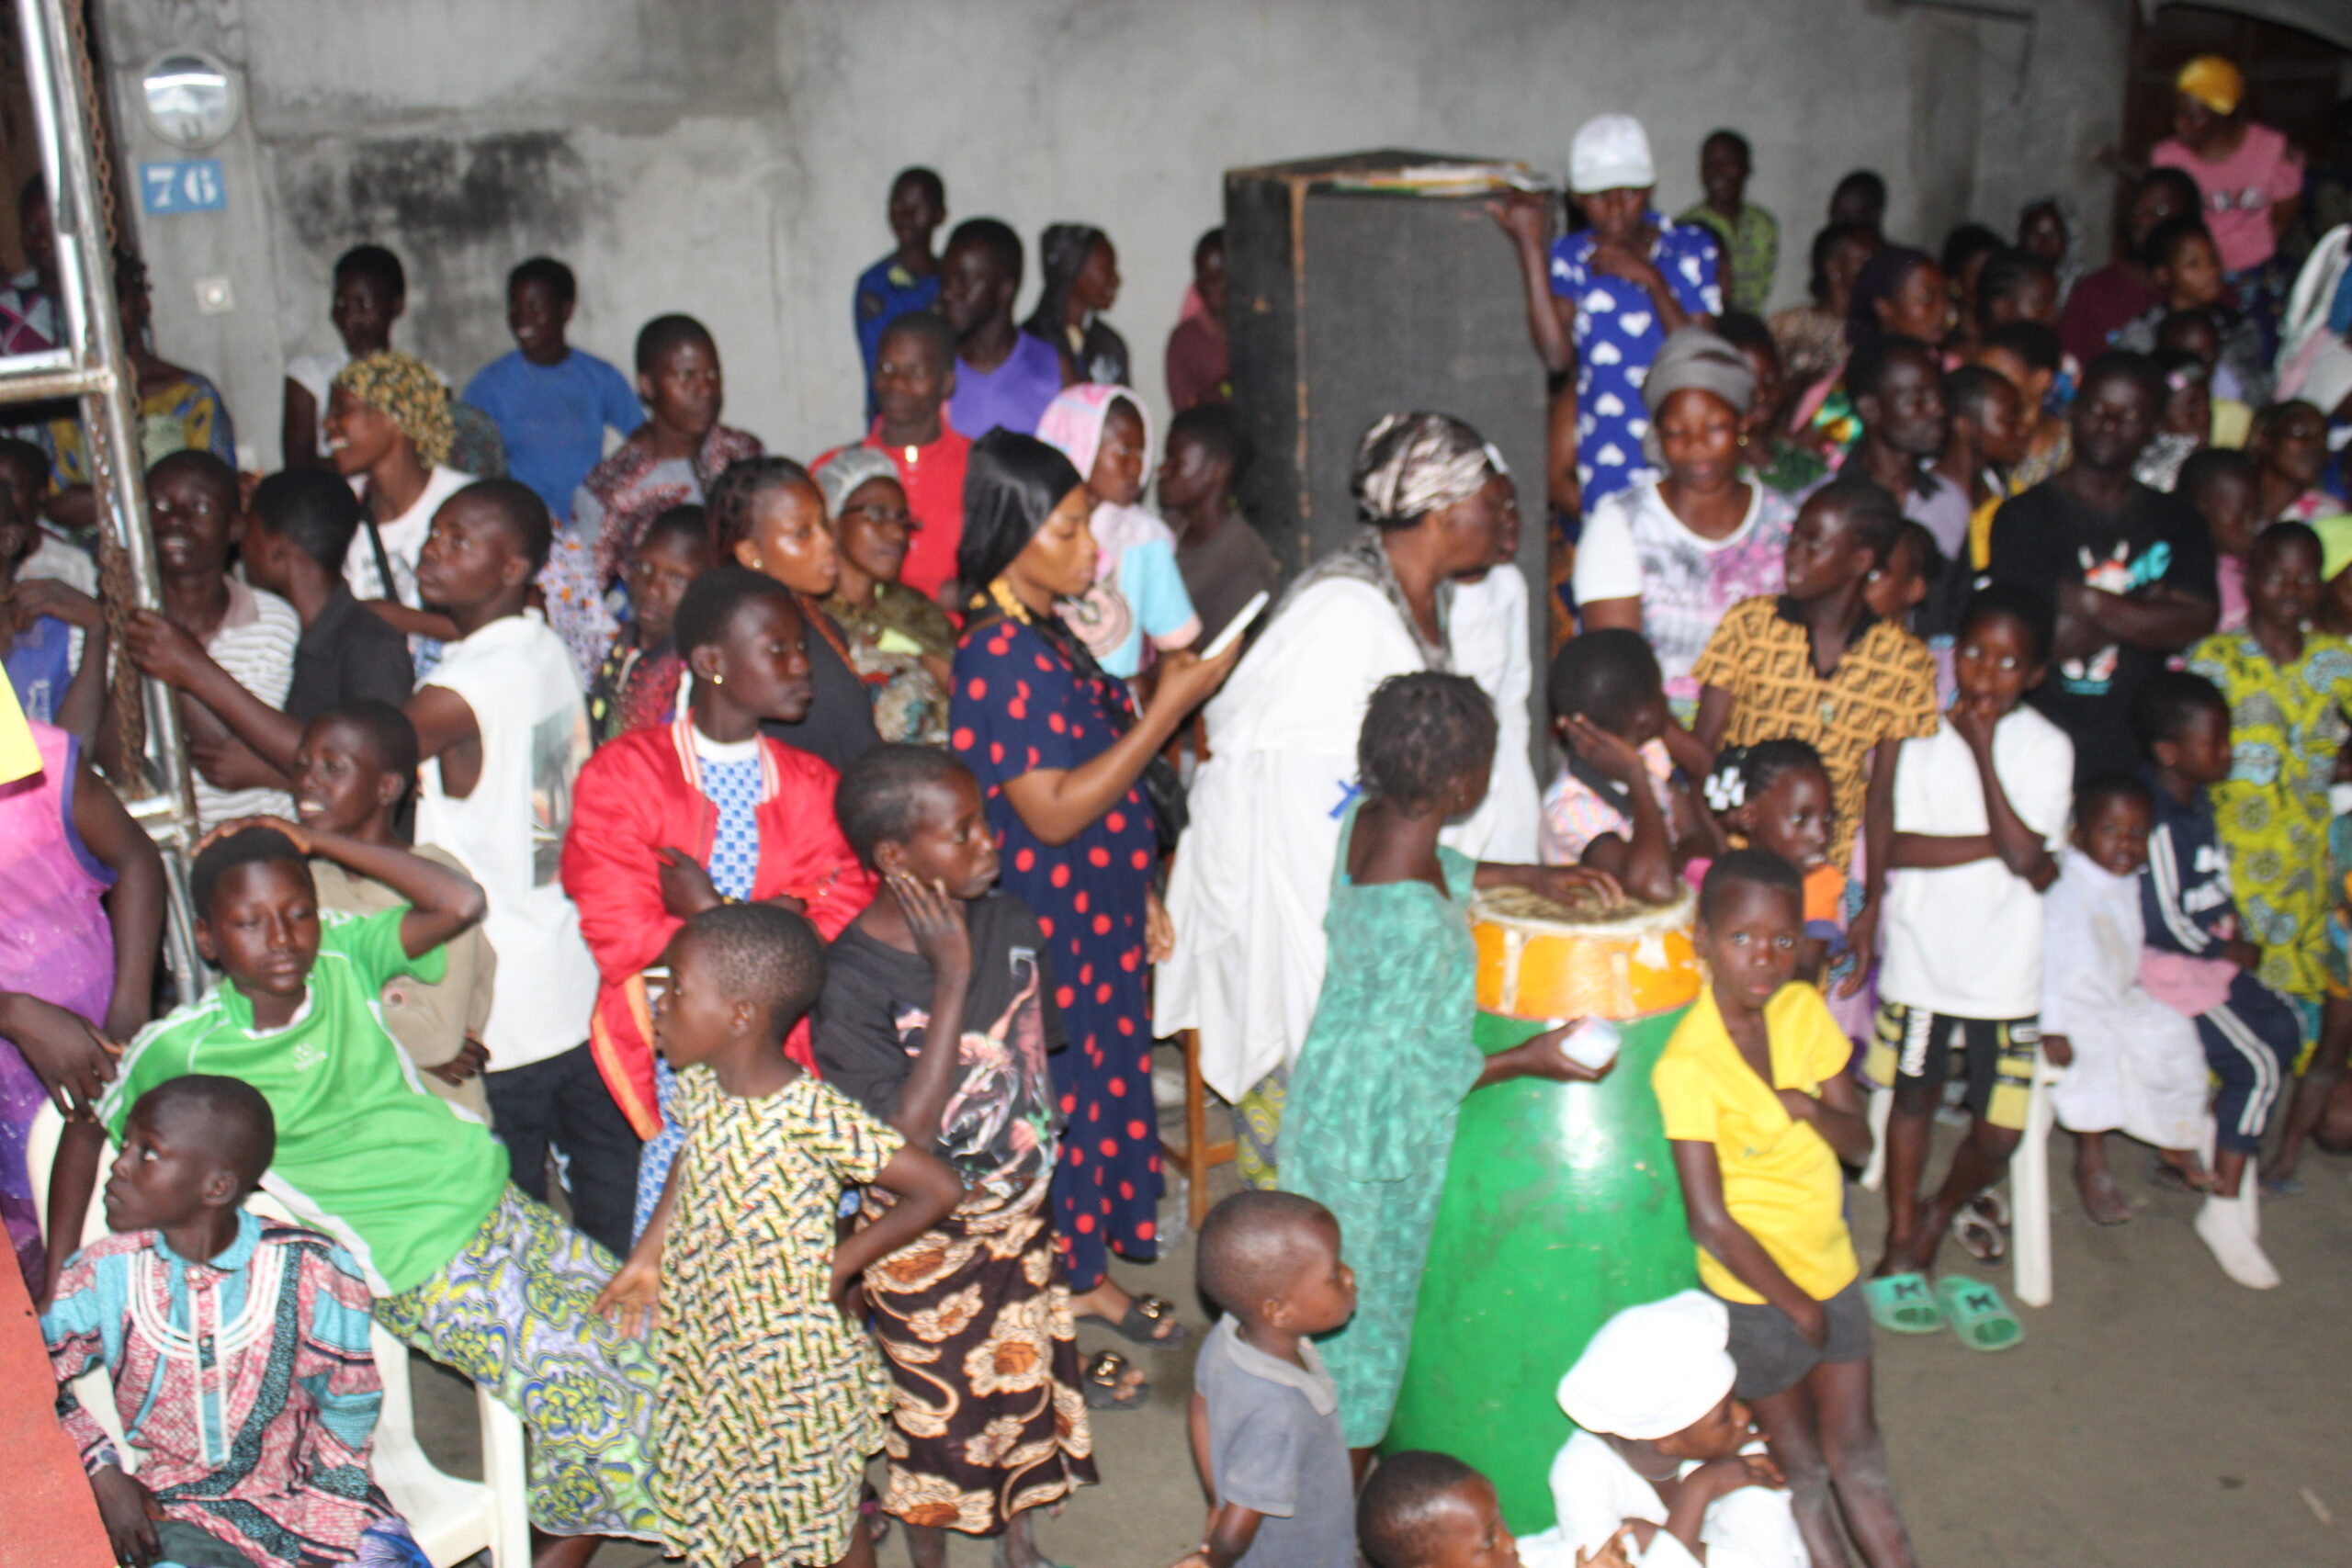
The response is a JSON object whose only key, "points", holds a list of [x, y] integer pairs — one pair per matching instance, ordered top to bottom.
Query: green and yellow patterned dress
{"points": [[2287, 723], [770, 1402]]}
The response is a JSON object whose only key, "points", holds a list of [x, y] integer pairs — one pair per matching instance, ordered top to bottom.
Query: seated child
{"points": [[2225, 488], [1138, 595], [637, 685], [354, 769], [1775, 795], [1615, 804], [1979, 806], [2198, 961], [936, 1017], [1388, 1058], [2132, 1063], [1759, 1111], [416, 1193], [772, 1395], [1265, 1414], [260, 1449], [1662, 1456], [1430, 1510]]}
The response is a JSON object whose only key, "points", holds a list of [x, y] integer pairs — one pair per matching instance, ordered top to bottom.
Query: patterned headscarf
{"points": [[405, 390], [1409, 465], [840, 475]]}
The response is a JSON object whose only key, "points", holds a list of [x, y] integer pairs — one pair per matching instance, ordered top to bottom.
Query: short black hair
{"points": [[1723, 133], [917, 174], [1867, 183], [2184, 185], [996, 238], [1827, 239], [1210, 240], [2165, 241], [1964, 244], [374, 261], [2009, 270], [550, 274], [2196, 319], [928, 325], [1746, 331], [659, 336], [2034, 344], [2122, 364], [1866, 367], [1972, 389], [1217, 428], [35, 462], [205, 466], [2208, 468], [727, 503], [313, 510], [519, 511], [1870, 512], [688, 520], [1914, 535], [2278, 536], [711, 599], [2031, 610], [1608, 675], [2167, 704], [1421, 731], [392, 737], [1758, 767], [2109, 786], [875, 802], [248, 846], [1748, 868], [763, 953], [240, 1129], [1247, 1250], [1393, 1513]]}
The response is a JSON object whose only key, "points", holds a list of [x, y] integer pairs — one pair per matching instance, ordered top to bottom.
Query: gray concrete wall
{"points": [[728, 157]]}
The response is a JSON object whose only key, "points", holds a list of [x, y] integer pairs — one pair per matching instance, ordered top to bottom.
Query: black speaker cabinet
{"points": [[1369, 284]]}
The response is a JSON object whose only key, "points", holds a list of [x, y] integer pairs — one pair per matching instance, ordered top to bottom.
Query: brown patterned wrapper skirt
{"points": [[974, 1319]]}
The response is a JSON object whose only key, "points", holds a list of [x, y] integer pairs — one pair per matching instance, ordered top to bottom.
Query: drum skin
{"points": [[1561, 1209]]}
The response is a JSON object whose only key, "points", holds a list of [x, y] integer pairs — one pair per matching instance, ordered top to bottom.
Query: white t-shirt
{"points": [[403, 539], [1634, 547], [1488, 632], [255, 645], [515, 675], [1965, 940], [1594, 1491]]}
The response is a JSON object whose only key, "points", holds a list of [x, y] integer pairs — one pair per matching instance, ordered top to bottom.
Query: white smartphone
{"points": [[1239, 624]]}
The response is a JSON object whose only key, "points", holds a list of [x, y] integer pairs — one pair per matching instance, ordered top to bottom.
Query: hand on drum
{"points": [[1575, 885], [1541, 1057]]}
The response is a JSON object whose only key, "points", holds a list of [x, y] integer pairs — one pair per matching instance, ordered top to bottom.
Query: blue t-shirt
{"points": [[884, 292], [1617, 336], [552, 418], [40, 666]]}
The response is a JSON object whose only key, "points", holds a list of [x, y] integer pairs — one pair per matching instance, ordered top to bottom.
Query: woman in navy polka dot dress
{"points": [[1059, 751]]}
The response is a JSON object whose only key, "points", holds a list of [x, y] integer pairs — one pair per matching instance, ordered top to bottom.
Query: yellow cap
{"points": [[2214, 81]]}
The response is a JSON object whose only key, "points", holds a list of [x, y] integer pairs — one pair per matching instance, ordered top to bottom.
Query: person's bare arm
{"points": [[1525, 216], [1643, 273], [297, 430], [2155, 620], [413, 623], [164, 651], [82, 710], [446, 728], [1694, 750], [1057, 804], [1878, 849], [2020, 849], [1936, 852], [1644, 865], [442, 903], [134, 904], [941, 937], [1837, 1114], [73, 1178], [927, 1190], [1731, 1245], [633, 1295], [1231, 1528]]}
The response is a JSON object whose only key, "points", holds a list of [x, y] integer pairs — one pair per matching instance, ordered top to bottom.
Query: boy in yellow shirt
{"points": [[1759, 1111]]}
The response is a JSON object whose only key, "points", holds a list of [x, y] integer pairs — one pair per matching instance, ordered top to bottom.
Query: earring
{"points": [[718, 680]]}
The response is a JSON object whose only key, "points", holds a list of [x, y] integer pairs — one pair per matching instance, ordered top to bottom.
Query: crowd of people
{"points": [[691, 927]]}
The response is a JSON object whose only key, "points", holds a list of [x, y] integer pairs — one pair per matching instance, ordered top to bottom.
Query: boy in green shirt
{"points": [[463, 1267]]}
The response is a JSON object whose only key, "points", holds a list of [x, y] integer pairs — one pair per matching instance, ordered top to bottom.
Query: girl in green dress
{"points": [[1389, 1058]]}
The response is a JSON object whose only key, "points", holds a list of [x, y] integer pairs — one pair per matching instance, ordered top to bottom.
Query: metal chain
{"points": [[125, 697]]}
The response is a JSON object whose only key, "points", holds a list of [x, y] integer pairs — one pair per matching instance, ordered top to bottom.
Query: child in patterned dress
{"points": [[771, 1400]]}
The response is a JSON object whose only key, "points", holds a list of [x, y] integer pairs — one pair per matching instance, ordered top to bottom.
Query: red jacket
{"points": [[639, 794]]}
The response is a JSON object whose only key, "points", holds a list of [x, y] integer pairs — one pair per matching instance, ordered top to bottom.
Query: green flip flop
{"points": [[1902, 1304], [1978, 1314]]}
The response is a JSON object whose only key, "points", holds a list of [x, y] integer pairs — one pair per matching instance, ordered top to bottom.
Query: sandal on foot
{"points": [[1993, 1204], [1981, 1237], [1902, 1304], [1978, 1314], [1144, 1316], [1106, 1387]]}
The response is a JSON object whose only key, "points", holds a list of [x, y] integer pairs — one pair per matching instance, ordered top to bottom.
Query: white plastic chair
{"points": [[2028, 1182], [452, 1519]]}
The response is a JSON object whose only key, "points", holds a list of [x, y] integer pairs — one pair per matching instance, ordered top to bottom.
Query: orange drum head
{"points": [[1538, 960]]}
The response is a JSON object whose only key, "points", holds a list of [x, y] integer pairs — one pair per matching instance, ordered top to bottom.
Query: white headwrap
{"points": [[1411, 464], [1653, 1370]]}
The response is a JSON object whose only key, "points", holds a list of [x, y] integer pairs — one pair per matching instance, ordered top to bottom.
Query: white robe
{"points": [[1489, 631], [1253, 876], [2138, 1065], [1594, 1491]]}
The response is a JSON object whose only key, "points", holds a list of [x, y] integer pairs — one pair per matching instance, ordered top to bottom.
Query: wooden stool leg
{"points": [[1196, 1157]]}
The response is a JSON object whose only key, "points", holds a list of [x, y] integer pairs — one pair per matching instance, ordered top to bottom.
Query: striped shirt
{"points": [[255, 645]]}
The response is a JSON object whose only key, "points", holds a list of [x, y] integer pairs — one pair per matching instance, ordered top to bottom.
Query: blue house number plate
{"points": [[190, 184]]}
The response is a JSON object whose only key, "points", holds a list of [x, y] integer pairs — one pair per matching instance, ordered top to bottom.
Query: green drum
{"points": [[1561, 1203]]}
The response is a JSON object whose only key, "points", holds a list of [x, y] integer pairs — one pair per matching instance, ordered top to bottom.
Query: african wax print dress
{"points": [[2286, 725], [1372, 1099], [770, 1402]]}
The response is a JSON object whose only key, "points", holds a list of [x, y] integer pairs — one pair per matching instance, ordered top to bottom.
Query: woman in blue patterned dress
{"points": [[1060, 753]]}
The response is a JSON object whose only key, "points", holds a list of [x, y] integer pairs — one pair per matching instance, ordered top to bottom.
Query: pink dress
{"points": [[2239, 191], [55, 944]]}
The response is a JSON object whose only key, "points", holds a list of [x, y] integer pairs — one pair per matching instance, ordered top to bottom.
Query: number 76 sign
{"points": [[189, 185]]}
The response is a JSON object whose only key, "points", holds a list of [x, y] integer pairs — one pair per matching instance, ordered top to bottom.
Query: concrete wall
{"points": [[729, 158]]}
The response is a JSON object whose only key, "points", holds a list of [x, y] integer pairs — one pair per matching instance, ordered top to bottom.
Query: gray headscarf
{"points": [[1695, 357], [1409, 465], [848, 469]]}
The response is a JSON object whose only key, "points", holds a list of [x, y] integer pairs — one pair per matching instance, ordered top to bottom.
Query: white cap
{"points": [[1611, 152], [1653, 1370]]}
